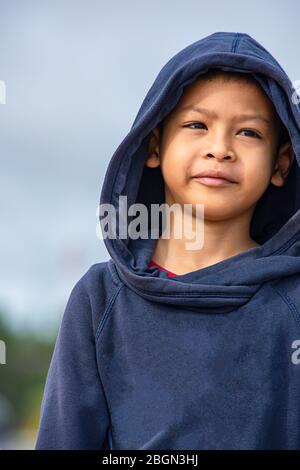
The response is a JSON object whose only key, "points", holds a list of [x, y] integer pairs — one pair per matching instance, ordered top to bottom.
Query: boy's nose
{"points": [[219, 146], [221, 154]]}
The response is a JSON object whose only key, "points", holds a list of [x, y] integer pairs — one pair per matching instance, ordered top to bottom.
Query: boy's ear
{"points": [[153, 160], [284, 161]]}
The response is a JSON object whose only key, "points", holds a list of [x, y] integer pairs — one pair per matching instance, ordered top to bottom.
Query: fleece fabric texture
{"points": [[205, 360]]}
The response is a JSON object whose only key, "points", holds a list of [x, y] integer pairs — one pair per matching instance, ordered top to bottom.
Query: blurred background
{"points": [[75, 74]]}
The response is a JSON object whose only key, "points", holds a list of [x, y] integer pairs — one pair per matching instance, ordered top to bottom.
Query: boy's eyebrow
{"points": [[238, 117]]}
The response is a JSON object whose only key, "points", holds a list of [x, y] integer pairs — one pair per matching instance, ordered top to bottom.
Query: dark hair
{"points": [[160, 126], [284, 136]]}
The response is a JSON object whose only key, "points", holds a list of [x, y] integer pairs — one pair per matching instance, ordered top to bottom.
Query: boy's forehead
{"points": [[200, 89], [248, 90]]}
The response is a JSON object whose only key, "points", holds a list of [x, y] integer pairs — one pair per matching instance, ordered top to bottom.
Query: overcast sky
{"points": [[76, 73]]}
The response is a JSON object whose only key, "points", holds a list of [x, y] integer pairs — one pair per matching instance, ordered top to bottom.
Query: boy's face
{"points": [[220, 139]]}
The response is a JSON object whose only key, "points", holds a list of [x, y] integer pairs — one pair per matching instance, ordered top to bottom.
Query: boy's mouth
{"points": [[214, 177], [208, 181]]}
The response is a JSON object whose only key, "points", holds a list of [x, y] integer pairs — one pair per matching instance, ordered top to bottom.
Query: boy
{"points": [[163, 347]]}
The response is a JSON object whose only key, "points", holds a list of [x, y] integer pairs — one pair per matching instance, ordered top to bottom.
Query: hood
{"points": [[275, 224]]}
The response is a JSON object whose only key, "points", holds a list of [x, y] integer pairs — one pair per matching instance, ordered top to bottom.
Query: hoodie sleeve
{"points": [[74, 413]]}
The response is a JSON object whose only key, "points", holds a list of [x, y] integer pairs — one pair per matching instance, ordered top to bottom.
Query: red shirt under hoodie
{"points": [[153, 263]]}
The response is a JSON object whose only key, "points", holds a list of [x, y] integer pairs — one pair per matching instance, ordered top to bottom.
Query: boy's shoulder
{"points": [[97, 272], [98, 278], [93, 292]]}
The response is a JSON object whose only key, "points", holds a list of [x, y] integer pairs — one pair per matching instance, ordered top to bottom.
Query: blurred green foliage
{"points": [[22, 378]]}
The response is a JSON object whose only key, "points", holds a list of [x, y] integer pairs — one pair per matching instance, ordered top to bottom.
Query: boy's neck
{"points": [[222, 240]]}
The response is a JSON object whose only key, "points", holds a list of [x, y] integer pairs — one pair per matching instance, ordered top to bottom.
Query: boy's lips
{"points": [[214, 177], [213, 181]]}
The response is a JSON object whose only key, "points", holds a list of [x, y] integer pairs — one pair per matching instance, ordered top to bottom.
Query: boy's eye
{"points": [[195, 124], [253, 133]]}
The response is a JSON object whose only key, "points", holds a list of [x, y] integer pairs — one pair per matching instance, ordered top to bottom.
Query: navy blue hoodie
{"points": [[205, 360]]}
